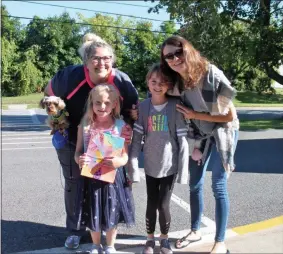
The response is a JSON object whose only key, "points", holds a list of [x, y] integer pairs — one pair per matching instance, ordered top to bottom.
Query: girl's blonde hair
{"points": [[96, 91]]}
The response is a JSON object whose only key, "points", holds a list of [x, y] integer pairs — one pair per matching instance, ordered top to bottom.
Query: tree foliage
{"points": [[243, 37]]}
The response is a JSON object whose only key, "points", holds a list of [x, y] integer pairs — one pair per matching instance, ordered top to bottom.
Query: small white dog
{"points": [[57, 114]]}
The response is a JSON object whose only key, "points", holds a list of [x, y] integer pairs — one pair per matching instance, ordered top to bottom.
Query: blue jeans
{"points": [[219, 187]]}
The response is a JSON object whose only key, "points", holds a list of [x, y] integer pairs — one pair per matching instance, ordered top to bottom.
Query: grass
{"points": [[25, 99], [243, 99], [253, 99], [32, 100], [254, 125]]}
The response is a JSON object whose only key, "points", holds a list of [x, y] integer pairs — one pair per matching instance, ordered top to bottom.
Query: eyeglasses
{"points": [[170, 56], [96, 59]]}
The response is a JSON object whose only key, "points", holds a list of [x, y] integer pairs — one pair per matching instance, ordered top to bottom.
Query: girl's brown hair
{"points": [[196, 64], [156, 68], [97, 90]]}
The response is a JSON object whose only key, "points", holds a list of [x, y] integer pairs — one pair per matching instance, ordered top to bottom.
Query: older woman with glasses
{"points": [[73, 84], [213, 130]]}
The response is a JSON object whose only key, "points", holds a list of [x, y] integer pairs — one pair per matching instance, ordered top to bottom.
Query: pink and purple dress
{"points": [[101, 205]]}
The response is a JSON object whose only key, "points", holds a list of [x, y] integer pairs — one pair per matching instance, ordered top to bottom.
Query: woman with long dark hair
{"points": [[207, 106]]}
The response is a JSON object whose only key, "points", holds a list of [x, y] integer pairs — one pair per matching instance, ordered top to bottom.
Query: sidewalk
{"points": [[260, 237], [264, 241]]}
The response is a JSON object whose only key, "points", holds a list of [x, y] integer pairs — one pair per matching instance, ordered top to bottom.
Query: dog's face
{"points": [[52, 104]]}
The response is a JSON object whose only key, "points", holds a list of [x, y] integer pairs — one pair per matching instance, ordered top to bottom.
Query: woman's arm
{"points": [[48, 90], [191, 114], [79, 146]]}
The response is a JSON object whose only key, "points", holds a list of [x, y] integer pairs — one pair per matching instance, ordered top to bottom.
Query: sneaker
{"points": [[72, 242], [149, 247], [165, 247], [96, 249], [109, 249]]}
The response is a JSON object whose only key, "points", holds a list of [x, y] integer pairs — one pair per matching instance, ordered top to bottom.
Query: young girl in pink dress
{"points": [[101, 206]]}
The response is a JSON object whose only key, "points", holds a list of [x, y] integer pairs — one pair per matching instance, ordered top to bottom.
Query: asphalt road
{"points": [[33, 216]]}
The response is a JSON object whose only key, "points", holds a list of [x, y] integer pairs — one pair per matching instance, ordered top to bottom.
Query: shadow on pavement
{"points": [[259, 115], [17, 123], [254, 156], [260, 156], [18, 236]]}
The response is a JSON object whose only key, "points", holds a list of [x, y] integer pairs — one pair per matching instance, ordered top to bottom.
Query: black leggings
{"points": [[159, 192]]}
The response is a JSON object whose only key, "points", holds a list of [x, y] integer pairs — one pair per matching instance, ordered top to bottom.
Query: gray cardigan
{"points": [[165, 152]]}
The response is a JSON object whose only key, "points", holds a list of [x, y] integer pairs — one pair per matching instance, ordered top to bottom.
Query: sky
{"points": [[30, 9]]}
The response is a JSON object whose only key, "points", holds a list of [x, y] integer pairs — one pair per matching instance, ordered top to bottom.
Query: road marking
{"points": [[34, 117], [16, 119], [13, 123], [23, 125], [37, 133], [9, 138], [23, 143], [27, 148], [210, 224], [259, 225]]}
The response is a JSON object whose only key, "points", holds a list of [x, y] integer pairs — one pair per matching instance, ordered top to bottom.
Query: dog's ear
{"points": [[42, 102], [61, 104]]}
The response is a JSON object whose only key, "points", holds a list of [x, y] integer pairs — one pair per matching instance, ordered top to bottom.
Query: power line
{"points": [[112, 2], [83, 9], [85, 24]]}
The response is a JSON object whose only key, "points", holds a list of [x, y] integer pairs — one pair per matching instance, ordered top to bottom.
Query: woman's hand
{"points": [[134, 112], [187, 113], [191, 114], [127, 133], [83, 160]]}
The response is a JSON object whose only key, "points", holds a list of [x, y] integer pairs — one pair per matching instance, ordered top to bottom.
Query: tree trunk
{"points": [[265, 16], [271, 73]]}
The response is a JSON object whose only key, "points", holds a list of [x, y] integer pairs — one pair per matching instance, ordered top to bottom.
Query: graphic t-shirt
{"points": [[160, 149]]}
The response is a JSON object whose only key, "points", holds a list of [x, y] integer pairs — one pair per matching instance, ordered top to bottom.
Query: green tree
{"points": [[11, 28], [111, 30], [243, 37], [57, 40], [136, 48], [143, 49], [9, 63]]}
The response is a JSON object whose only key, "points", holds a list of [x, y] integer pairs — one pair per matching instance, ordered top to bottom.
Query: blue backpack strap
{"points": [[83, 123], [119, 123]]}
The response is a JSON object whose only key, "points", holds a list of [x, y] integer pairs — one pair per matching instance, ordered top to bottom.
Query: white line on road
{"points": [[34, 117], [15, 119], [15, 123], [23, 125], [26, 133], [5, 139], [23, 143], [27, 148], [186, 206]]}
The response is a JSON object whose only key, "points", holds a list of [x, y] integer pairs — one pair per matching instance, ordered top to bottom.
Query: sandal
{"points": [[185, 241], [219, 250]]}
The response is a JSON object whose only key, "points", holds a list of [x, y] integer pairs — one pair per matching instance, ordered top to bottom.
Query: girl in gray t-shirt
{"points": [[165, 155]]}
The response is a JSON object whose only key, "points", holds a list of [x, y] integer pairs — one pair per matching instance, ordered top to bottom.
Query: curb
{"points": [[258, 226], [135, 244]]}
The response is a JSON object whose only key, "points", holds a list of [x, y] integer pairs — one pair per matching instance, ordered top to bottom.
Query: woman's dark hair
{"points": [[196, 64]]}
